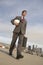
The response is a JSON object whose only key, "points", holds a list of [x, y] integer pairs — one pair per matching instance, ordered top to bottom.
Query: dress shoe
{"points": [[10, 54], [20, 56]]}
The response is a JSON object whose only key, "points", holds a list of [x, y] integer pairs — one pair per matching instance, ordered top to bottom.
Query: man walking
{"points": [[19, 31]]}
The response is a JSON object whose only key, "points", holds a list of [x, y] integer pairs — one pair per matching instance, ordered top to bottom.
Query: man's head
{"points": [[24, 13]]}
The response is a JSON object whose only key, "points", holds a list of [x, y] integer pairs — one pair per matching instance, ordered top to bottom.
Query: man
{"points": [[19, 31]]}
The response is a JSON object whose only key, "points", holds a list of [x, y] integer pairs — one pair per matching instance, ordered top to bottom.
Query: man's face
{"points": [[24, 14]]}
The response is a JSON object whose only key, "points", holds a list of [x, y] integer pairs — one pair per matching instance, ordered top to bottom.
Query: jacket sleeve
{"points": [[12, 21]]}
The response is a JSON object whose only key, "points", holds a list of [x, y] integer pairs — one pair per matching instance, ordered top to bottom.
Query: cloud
{"points": [[7, 2], [10, 8], [34, 8], [6, 27], [36, 28], [35, 34], [5, 40]]}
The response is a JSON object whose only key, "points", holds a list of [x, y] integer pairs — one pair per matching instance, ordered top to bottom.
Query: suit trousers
{"points": [[20, 42]]}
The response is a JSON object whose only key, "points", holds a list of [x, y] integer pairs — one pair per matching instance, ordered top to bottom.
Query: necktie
{"points": [[22, 20]]}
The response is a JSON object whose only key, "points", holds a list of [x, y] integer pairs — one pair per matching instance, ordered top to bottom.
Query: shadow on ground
{"points": [[5, 52]]}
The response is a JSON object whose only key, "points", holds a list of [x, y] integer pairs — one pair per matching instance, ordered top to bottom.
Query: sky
{"points": [[11, 8]]}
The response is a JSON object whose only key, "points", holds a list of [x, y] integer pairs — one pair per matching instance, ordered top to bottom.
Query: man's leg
{"points": [[14, 38], [20, 42]]}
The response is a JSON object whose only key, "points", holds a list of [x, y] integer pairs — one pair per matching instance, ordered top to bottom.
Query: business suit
{"points": [[19, 31]]}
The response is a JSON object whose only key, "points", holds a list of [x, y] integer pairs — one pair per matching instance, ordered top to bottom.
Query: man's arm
{"points": [[12, 21]]}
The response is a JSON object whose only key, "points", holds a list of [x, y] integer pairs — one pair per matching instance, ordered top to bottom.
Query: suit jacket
{"points": [[21, 27]]}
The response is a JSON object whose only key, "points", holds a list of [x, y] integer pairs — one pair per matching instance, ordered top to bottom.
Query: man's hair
{"points": [[24, 11]]}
